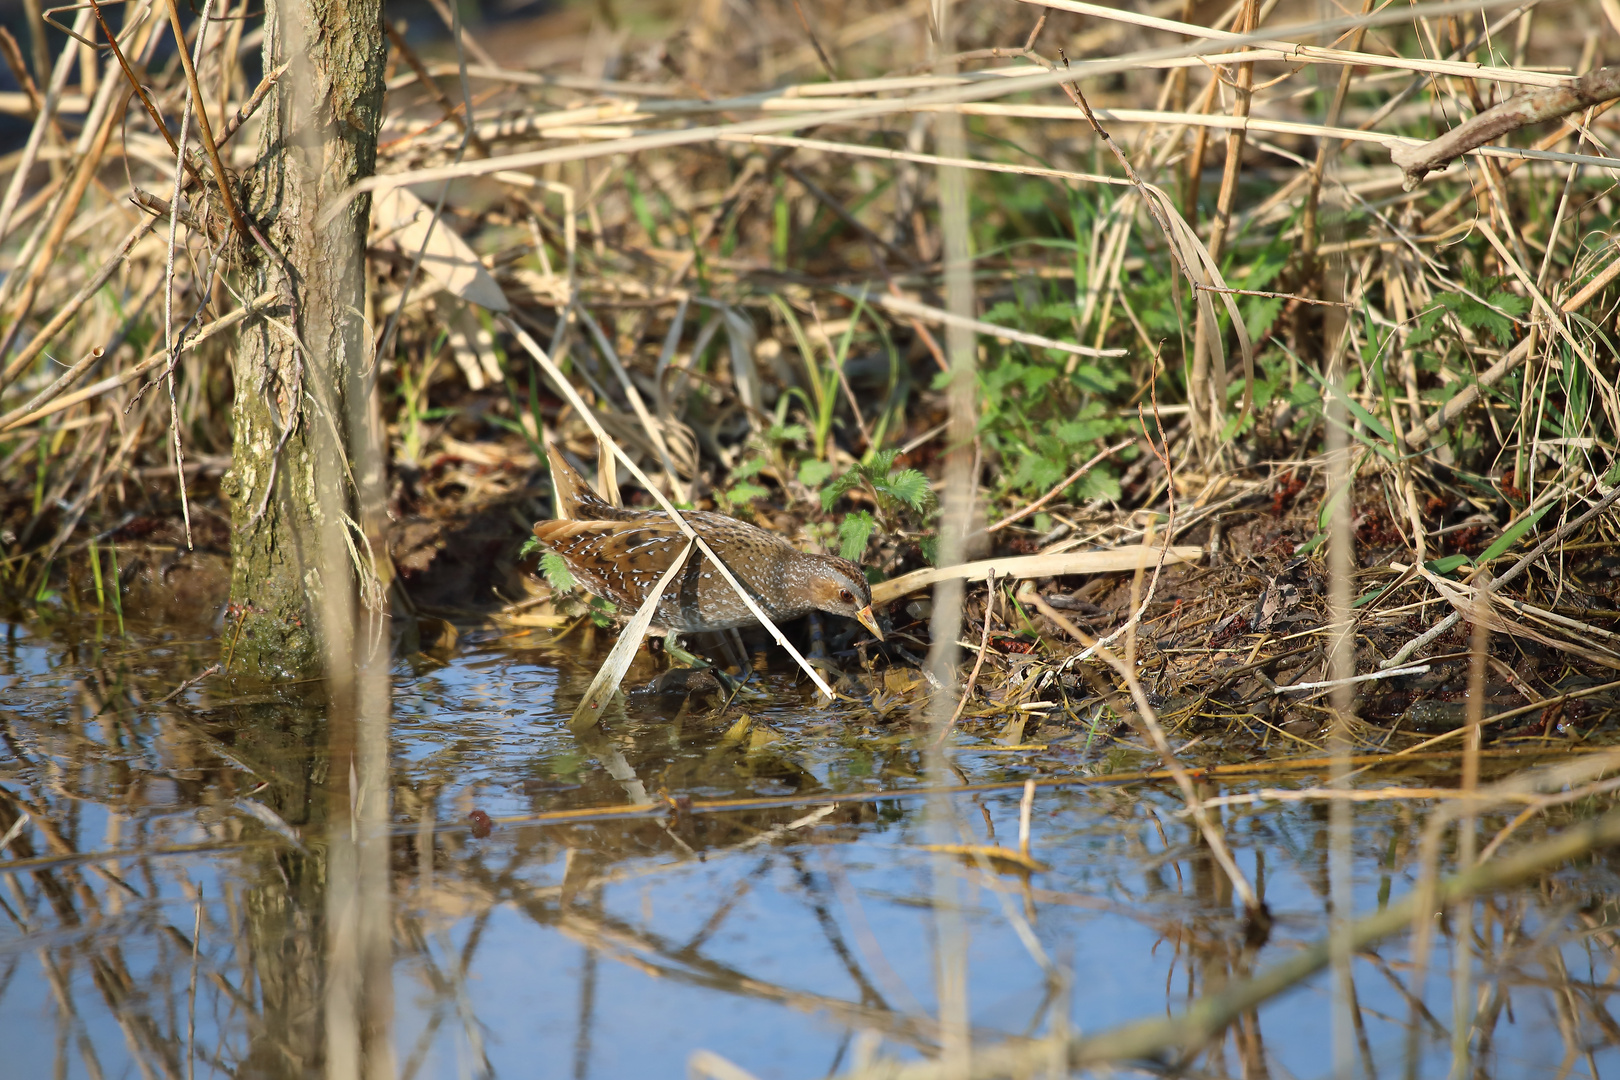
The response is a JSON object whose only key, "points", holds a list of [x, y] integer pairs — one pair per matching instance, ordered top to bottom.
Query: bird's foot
{"points": [[673, 649]]}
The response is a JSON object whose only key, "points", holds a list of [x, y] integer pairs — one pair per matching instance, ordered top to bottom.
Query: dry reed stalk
{"points": [[946, 96], [1206, 387], [1342, 668]]}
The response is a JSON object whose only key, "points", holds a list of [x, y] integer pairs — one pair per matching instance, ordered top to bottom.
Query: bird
{"points": [[619, 554]]}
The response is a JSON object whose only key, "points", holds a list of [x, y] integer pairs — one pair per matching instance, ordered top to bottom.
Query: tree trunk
{"points": [[301, 406]]}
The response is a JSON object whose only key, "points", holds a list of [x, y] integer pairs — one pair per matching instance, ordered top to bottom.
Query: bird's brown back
{"points": [[620, 554]]}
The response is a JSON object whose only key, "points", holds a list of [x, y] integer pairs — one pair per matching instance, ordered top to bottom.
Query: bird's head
{"points": [[838, 587]]}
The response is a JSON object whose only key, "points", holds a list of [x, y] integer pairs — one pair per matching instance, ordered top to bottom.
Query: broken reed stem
{"points": [[1519, 111]]}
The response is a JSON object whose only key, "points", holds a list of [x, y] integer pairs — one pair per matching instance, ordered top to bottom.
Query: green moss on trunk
{"points": [[297, 400]]}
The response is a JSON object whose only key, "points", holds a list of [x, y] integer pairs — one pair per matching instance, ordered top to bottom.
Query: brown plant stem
{"points": [[1520, 110]]}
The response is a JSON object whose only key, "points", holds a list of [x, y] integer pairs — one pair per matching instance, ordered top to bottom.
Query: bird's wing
{"points": [[622, 558]]}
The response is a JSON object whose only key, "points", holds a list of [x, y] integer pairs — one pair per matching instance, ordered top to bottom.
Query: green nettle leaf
{"points": [[1512, 303], [1006, 309], [1056, 311], [1260, 314], [1477, 316], [1427, 327], [1037, 377], [1101, 380], [1304, 393], [787, 433], [879, 464], [746, 469], [1037, 471], [813, 473], [1099, 483], [910, 487], [835, 491], [746, 492], [853, 533], [929, 545], [530, 546], [556, 573], [602, 611]]}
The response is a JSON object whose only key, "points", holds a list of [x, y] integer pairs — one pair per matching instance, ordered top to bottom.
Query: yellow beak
{"points": [[868, 620]]}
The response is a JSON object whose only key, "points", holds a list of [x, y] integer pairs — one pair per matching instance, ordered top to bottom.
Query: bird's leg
{"points": [[818, 636], [818, 644], [672, 648], [736, 653]]}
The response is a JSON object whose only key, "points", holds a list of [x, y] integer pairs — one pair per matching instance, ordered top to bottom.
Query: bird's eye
{"points": [[846, 596]]}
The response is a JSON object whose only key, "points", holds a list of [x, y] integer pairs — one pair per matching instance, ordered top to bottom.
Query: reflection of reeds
{"points": [[319, 920]]}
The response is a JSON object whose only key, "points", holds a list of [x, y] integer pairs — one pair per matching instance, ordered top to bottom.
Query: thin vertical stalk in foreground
{"points": [[193, 104], [946, 625], [1342, 666], [1462, 1003]]}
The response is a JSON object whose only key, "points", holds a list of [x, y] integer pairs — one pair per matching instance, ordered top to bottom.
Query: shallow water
{"points": [[793, 938]]}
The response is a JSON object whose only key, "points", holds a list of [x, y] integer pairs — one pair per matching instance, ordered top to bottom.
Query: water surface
{"points": [[163, 915]]}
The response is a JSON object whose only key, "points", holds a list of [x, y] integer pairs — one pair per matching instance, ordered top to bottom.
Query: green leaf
{"points": [[1259, 315], [1037, 377], [878, 463], [748, 468], [813, 473], [1099, 483], [910, 487], [834, 491], [746, 492], [853, 533], [1511, 534], [530, 546], [930, 549], [1447, 564], [556, 572], [1369, 596]]}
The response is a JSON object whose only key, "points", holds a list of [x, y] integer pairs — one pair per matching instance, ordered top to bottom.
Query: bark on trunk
{"points": [[300, 404]]}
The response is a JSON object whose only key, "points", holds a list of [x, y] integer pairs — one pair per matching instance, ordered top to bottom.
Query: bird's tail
{"points": [[576, 501]]}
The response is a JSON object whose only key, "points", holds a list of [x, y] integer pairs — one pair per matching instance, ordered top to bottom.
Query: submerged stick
{"points": [[1208, 1016]]}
